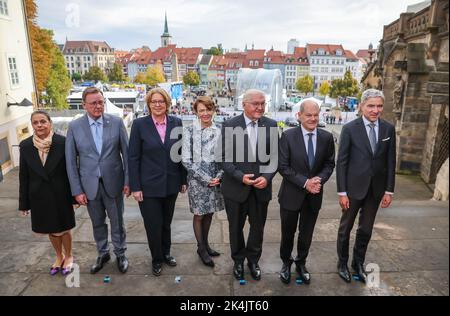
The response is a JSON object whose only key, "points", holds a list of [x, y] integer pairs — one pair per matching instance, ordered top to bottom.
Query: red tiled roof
{"points": [[90, 46], [328, 48], [300, 52], [363, 53], [255, 54], [349, 54], [188, 56], [144, 58], [218, 62]]}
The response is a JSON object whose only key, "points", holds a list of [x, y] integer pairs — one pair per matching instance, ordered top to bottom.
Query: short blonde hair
{"points": [[165, 95]]}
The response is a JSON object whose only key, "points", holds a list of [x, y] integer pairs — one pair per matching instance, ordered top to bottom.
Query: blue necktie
{"points": [[98, 137], [372, 137], [310, 151]]}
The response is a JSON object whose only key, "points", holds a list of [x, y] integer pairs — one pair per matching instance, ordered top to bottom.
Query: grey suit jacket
{"points": [[83, 160]]}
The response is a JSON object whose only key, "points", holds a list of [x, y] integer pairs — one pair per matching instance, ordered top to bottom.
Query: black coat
{"points": [[294, 167], [151, 168], [235, 168], [357, 168], [45, 190]]}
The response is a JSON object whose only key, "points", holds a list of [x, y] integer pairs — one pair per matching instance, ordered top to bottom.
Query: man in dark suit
{"points": [[249, 161], [306, 162], [365, 177]]}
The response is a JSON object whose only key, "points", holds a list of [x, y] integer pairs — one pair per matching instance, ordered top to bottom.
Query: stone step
{"points": [[442, 67], [438, 76], [439, 88], [439, 99]]}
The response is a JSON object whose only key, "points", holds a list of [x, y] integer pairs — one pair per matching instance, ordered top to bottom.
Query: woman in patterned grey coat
{"points": [[204, 175]]}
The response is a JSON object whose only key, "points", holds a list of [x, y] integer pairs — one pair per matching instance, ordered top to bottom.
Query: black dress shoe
{"points": [[212, 252], [205, 257], [170, 261], [100, 262], [122, 263], [156, 269], [238, 270], [255, 271], [360, 271], [285, 273], [303, 273], [344, 273]]}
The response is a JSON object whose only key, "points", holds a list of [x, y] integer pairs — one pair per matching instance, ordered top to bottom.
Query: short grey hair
{"points": [[251, 92], [371, 93], [311, 100]]}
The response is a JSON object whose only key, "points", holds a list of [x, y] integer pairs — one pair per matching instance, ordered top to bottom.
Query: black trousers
{"points": [[367, 209], [157, 214], [237, 214], [306, 224]]}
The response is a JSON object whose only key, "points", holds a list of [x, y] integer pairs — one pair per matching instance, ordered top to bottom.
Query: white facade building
{"points": [[291, 45], [80, 56], [17, 86]]}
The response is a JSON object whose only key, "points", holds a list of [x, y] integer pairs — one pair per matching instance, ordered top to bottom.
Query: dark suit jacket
{"points": [[150, 165], [294, 167], [357, 168], [235, 169], [45, 190]]}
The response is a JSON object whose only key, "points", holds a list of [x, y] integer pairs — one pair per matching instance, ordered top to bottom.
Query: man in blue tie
{"points": [[306, 162], [97, 167], [365, 177]]}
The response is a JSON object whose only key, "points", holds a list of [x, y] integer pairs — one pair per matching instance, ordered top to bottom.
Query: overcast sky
{"points": [[204, 23]]}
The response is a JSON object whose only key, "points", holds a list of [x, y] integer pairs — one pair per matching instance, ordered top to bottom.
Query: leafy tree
{"points": [[41, 47], [215, 51], [95, 73], [116, 73], [154, 75], [76, 76], [139, 78], [191, 78], [58, 84], [305, 84], [346, 87], [324, 88]]}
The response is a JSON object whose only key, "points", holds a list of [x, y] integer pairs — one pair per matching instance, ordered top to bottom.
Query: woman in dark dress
{"points": [[44, 189]]}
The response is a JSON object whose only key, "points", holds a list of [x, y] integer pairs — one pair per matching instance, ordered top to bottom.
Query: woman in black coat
{"points": [[45, 191]]}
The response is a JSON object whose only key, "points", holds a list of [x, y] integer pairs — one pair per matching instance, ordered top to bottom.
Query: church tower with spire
{"points": [[166, 38]]}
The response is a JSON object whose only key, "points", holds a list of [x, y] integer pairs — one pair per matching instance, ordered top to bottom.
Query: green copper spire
{"points": [[166, 27]]}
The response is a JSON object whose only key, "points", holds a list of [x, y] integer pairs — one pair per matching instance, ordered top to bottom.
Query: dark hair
{"points": [[90, 90], [206, 101], [40, 112]]}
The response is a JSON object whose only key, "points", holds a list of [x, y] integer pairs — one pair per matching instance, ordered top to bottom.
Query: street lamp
{"points": [[24, 102]]}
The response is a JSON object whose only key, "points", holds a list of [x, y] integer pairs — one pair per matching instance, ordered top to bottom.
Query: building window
{"points": [[4, 7], [251, 63], [13, 72]]}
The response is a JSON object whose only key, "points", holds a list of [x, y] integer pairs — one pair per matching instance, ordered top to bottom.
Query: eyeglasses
{"points": [[159, 102], [95, 103], [256, 104]]}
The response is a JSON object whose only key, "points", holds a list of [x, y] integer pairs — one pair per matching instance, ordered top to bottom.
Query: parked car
{"points": [[291, 121]]}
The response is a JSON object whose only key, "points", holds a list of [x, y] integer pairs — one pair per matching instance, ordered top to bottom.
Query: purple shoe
{"points": [[54, 270], [67, 270]]}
